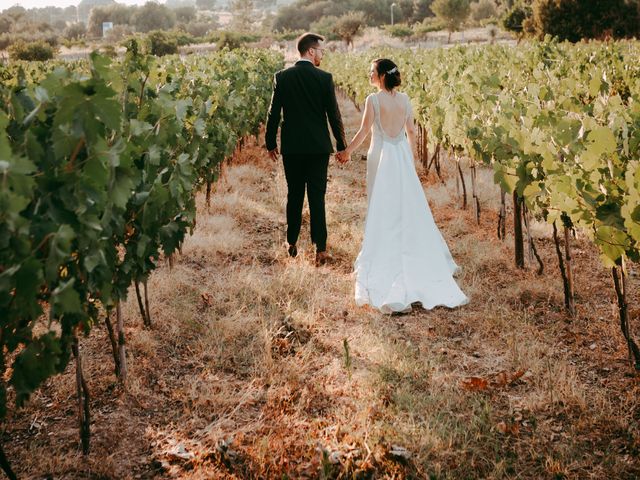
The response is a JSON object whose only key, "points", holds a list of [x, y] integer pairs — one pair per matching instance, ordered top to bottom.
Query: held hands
{"points": [[343, 156]]}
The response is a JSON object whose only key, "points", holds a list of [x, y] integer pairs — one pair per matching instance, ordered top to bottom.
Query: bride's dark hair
{"points": [[391, 73]]}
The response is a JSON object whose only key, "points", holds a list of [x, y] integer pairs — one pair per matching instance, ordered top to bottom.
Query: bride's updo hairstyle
{"points": [[386, 67]]}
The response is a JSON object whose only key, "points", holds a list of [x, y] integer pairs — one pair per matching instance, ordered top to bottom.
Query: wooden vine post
{"points": [[461, 177], [474, 191], [502, 216], [517, 229], [533, 251], [564, 263], [569, 263], [620, 284], [122, 352], [82, 392], [4, 461], [6, 466]]}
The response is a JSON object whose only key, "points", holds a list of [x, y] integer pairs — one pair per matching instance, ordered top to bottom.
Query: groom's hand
{"points": [[274, 154], [343, 156]]}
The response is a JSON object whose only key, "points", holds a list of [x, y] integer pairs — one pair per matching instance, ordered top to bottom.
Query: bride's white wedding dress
{"points": [[404, 258]]}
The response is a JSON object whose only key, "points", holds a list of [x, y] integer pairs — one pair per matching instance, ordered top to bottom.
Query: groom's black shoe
{"points": [[292, 250], [322, 258]]}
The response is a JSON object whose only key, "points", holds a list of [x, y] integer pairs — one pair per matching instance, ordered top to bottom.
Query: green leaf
{"points": [[139, 128], [602, 141], [505, 177], [122, 190], [613, 244], [59, 250], [66, 299], [39, 360]]}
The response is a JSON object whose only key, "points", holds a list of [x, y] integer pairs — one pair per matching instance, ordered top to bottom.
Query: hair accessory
{"points": [[393, 70]]}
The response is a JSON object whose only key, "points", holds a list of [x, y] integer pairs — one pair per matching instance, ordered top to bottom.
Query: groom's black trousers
{"points": [[306, 172]]}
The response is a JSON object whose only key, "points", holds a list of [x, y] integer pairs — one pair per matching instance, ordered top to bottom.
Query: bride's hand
{"points": [[346, 155]]}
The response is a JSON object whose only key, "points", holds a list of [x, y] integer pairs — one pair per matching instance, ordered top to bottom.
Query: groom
{"points": [[306, 96]]}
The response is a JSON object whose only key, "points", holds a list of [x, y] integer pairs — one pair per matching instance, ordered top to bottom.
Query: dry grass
{"points": [[245, 373]]}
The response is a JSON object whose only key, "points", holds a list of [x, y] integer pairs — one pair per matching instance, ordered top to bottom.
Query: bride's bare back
{"points": [[393, 112]]}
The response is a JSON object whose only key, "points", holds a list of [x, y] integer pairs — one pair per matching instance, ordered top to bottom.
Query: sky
{"points": [[54, 3]]}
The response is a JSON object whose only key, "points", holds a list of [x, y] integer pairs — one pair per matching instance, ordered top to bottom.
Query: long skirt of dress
{"points": [[404, 258]]}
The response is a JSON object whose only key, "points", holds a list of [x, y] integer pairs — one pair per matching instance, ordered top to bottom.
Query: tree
{"points": [[205, 4], [483, 9], [422, 10], [404, 11], [16, 12], [70, 13], [452, 13], [117, 14], [185, 14], [153, 16], [300, 16], [243, 17], [515, 17], [575, 20], [6, 23], [349, 26], [325, 27], [75, 31]]}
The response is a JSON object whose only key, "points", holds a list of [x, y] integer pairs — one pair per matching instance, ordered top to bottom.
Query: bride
{"points": [[404, 258]]}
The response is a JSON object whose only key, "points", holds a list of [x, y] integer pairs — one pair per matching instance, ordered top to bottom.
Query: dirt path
{"points": [[259, 366]]}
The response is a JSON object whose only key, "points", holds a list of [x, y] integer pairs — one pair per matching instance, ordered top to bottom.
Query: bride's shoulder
{"points": [[369, 99]]}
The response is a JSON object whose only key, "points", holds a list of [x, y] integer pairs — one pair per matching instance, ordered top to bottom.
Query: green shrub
{"points": [[428, 25], [199, 29], [399, 30], [288, 35], [183, 38], [231, 40], [74, 43], [161, 43], [31, 51]]}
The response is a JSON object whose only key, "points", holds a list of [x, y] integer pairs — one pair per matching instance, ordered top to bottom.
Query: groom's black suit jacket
{"points": [[306, 96]]}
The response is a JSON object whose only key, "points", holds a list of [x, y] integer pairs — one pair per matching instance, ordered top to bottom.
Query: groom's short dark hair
{"points": [[307, 41]]}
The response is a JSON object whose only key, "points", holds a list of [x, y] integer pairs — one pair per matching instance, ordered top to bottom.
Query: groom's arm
{"points": [[273, 116], [335, 119]]}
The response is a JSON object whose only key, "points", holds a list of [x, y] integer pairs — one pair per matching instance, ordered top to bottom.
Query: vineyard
{"points": [[558, 124], [101, 162], [147, 301]]}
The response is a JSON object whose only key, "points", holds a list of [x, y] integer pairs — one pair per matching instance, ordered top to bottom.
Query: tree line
{"points": [[574, 20]]}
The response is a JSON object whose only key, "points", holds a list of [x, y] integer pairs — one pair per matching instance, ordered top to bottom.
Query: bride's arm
{"points": [[365, 127], [410, 127]]}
